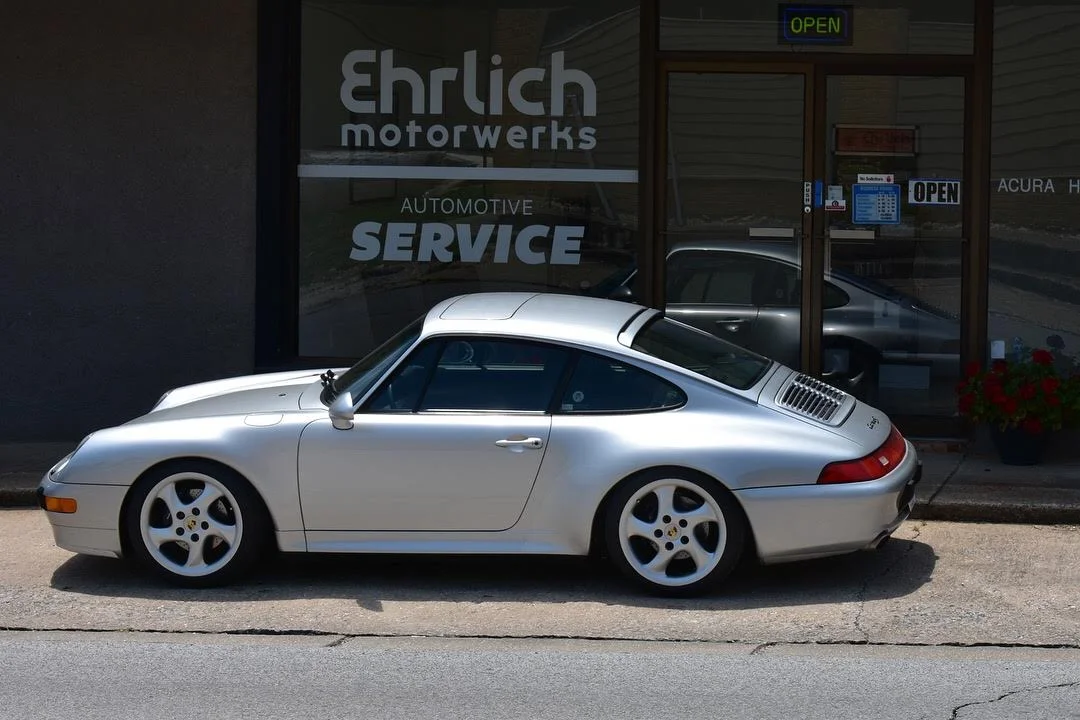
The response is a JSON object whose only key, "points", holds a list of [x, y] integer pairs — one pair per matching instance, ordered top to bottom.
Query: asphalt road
{"points": [[948, 620], [122, 675]]}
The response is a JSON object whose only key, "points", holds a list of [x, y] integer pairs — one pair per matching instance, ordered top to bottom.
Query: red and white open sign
{"points": [[934, 192]]}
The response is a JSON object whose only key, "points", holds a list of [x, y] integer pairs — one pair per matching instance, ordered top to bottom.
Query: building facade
{"points": [[874, 191]]}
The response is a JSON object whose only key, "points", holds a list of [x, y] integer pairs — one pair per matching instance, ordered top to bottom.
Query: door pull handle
{"points": [[731, 324], [533, 442]]}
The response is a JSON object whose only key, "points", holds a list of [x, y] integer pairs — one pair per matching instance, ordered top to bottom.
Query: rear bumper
{"points": [[807, 521]]}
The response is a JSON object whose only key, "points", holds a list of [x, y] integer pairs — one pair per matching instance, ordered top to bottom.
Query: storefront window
{"points": [[861, 26], [460, 147], [1035, 180]]}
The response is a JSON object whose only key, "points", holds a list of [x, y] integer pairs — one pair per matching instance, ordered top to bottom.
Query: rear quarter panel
{"points": [[740, 444]]}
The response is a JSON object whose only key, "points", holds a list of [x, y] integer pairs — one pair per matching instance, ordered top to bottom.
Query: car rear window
{"points": [[701, 353]]}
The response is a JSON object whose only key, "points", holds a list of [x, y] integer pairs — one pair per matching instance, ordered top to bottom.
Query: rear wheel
{"points": [[195, 524], [674, 533]]}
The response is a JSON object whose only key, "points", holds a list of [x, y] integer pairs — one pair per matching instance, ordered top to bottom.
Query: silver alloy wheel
{"points": [[191, 524], [672, 532]]}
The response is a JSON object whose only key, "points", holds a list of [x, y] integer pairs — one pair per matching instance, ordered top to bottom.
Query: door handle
{"points": [[731, 324], [533, 442]]}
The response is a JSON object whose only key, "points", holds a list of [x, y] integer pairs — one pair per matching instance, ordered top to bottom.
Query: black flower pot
{"points": [[1016, 446]]}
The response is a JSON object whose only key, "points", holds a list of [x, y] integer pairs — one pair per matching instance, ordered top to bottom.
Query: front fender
{"points": [[261, 448]]}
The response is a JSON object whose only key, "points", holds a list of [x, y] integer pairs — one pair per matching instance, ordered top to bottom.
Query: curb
{"points": [[19, 489]]}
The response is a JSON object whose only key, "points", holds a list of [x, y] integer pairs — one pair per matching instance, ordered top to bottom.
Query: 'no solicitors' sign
{"points": [[934, 192]]}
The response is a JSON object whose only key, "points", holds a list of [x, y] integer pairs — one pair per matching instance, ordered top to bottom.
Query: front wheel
{"points": [[195, 525], [674, 533]]}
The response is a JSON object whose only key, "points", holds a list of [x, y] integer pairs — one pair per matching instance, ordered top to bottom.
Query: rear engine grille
{"points": [[811, 397]]}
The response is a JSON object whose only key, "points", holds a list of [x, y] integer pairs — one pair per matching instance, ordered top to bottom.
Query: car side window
{"points": [[724, 280], [775, 285], [835, 297], [484, 374], [603, 385], [401, 393]]}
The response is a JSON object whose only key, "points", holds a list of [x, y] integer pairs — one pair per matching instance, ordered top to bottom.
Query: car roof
{"points": [[780, 250], [546, 316]]}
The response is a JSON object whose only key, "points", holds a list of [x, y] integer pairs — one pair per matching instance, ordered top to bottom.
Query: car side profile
{"points": [[750, 293], [520, 423]]}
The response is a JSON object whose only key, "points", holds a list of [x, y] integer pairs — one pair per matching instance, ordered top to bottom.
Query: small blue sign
{"points": [[817, 193], [874, 204]]}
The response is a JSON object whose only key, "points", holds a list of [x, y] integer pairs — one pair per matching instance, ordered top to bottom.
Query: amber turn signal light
{"points": [[61, 504]]}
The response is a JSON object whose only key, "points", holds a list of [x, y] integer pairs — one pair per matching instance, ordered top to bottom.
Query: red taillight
{"points": [[877, 464]]}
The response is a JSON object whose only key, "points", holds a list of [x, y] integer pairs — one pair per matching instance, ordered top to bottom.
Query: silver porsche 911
{"points": [[498, 423]]}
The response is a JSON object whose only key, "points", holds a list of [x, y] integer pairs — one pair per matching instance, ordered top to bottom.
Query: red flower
{"points": [[1042, 357], [999, 367], [972, 369], [1050, 385], [1027, 391], [1053, 400], [1010, 406], [1032, 426]]}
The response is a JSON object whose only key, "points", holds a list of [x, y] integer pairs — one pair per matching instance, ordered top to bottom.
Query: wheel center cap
{"points": [[192, 523], [672, 531]]}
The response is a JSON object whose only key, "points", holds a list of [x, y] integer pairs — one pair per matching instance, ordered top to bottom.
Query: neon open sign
{"points": [[815, 24]]}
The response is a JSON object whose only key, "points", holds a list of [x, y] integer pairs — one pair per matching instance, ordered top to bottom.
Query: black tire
{"points": [[690, 488], [238, 513]]}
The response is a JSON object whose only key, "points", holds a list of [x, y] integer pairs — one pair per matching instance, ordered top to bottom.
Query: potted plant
{"points": [[1022, 402]]}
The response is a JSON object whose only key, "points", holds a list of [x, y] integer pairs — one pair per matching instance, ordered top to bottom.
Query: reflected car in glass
{"points": [[751, 294], [522, 423]]}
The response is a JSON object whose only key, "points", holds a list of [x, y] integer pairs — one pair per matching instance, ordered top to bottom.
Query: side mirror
{"points": [[621, 293], [341, 412]]}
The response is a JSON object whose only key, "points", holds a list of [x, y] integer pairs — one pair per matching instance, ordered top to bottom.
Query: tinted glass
{"points": [[859, 26], [455, 147], [1034, 278], [835, 297], [701, 353], [480, 374], [363, 375], [601, 385], [402, 391]]}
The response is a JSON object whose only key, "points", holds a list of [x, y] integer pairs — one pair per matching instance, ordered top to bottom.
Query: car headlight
{"points": [[160, 400], [58, 468], [55, 470]]}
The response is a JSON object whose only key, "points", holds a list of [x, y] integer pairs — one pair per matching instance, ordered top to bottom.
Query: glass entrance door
{"points": [[737, 161], [863, 188], [892, 225]]}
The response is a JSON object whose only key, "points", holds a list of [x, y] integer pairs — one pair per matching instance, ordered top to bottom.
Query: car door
{"points": [[712, 291], [748, 299], [451, 441]]}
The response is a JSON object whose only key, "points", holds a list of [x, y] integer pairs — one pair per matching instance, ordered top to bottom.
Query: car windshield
{"points": [[701, 353], [360, 377]]}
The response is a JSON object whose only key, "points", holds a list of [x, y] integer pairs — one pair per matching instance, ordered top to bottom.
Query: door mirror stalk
{"points": [[341, 412]]}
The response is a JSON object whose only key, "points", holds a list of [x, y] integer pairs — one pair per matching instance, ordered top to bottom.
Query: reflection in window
{"points": [[876, 26], [449, 148], [1035, 180], [701, 353]]}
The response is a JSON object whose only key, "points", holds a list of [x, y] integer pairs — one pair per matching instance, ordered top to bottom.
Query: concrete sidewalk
{"points": [[958, 484]]}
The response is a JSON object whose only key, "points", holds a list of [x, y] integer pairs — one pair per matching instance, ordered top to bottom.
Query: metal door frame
{"points": [[816, 69]]}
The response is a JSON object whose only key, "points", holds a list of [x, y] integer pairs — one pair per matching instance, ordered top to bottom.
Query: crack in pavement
{"points": [[861, 596], [341, 638], [958, 708]]}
